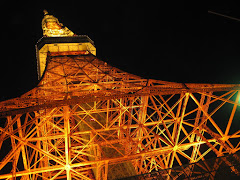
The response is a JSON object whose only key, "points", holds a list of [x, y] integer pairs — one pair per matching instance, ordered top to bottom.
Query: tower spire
{"points": [[45, 12], [52, 27]]}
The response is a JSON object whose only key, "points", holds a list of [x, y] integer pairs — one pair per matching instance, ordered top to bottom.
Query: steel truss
{"points": [[89, 120], [221, 170]]}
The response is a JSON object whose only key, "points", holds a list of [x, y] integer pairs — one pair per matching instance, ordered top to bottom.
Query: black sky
{"points": [[172, 42]]}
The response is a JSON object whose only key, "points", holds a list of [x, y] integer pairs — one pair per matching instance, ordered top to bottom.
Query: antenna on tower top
{"points": [[45, 12], [229, 17]]}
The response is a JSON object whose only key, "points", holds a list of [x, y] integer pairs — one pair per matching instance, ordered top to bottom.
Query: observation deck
{"points": [[63, 44]]}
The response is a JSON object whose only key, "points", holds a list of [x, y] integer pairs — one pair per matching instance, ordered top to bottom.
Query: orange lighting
{"points": [[89, 120]]}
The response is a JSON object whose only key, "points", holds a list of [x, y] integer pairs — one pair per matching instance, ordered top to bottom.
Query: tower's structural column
{"points": [[54, 47], [89, 120]]}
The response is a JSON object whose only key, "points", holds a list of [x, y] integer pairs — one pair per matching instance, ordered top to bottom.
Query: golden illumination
{"points": [[53, 28], [61, 47], [89, 120], [175, 148], [67, 167]]}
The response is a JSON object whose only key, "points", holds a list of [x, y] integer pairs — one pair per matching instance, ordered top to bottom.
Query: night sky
{"points": [[172, 42]]}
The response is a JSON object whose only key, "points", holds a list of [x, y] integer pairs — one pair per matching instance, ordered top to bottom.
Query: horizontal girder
{"points": [[88, 120]]}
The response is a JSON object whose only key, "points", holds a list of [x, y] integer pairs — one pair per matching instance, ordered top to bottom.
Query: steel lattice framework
{"points": [[86, 119], [89, 120]]}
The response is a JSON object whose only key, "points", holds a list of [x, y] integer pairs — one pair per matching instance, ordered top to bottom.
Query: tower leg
{"points": [[66, 116]]}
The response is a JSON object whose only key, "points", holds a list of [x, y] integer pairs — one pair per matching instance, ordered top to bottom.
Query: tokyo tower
{"points": [[89, 120]]}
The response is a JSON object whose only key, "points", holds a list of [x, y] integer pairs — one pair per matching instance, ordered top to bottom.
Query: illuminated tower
{"points": [[89, 120]]}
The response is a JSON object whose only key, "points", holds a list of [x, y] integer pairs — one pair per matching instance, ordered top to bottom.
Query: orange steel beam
{"points": [[137, 87], [84, 109], [112, 160]]}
